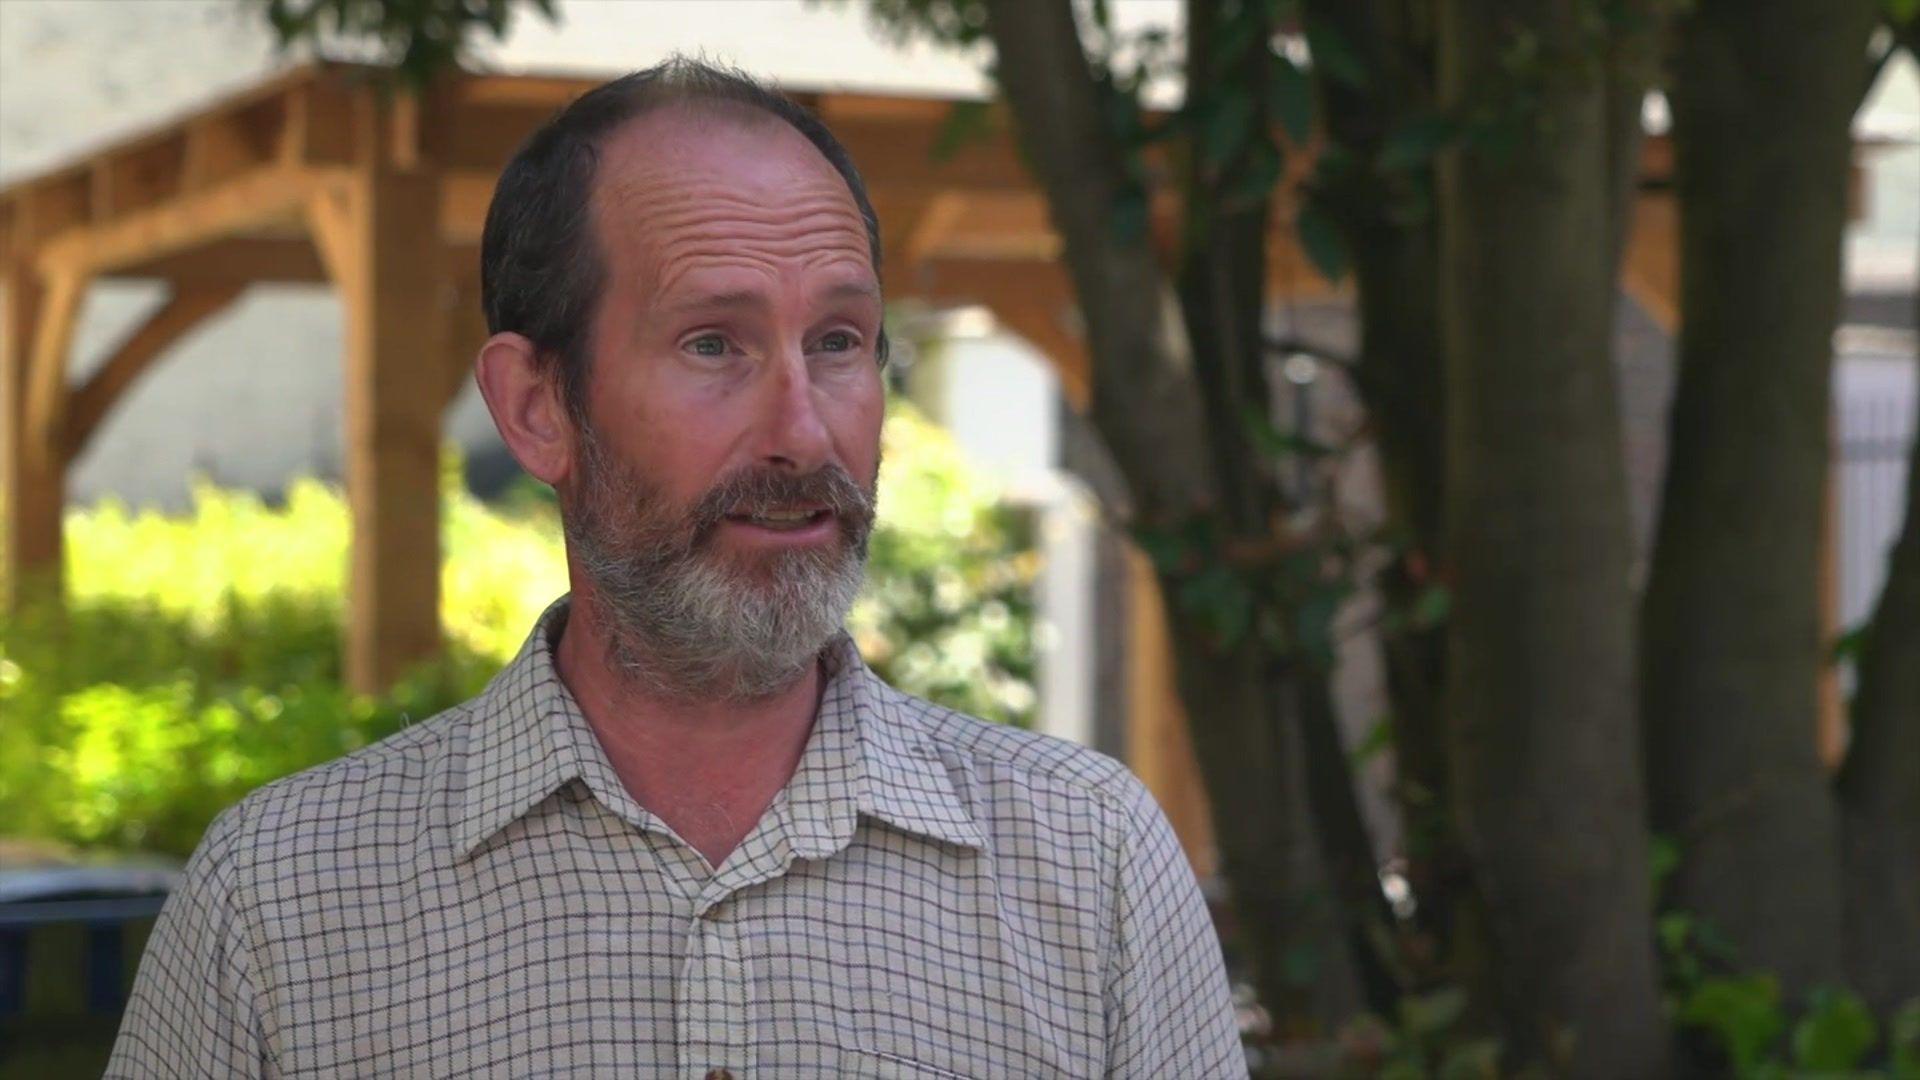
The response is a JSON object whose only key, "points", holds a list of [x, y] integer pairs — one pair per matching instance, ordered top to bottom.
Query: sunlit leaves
{"points": [[199, 655]]}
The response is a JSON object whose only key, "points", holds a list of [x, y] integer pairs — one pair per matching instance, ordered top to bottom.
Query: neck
{"points": [[707, 767]]}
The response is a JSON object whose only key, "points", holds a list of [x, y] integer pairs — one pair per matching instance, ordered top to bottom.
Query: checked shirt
{"points": [[930, 896]]}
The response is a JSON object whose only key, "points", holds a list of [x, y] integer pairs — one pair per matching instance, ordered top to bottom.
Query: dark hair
{"points": [[541, 271]]}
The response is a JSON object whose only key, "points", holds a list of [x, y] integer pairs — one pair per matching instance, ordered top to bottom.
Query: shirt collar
{"points": [[870, 753]]}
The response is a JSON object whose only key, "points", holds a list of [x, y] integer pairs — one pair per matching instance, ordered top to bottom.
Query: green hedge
{"points": [[199, 654]]}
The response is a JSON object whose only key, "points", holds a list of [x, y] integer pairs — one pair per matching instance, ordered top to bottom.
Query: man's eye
{"points": [[837, 341], [708, 345]]}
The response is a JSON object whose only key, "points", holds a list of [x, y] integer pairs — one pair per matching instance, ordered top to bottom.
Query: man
{"points": [[686, 832]]}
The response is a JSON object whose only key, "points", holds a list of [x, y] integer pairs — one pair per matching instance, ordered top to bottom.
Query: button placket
{"points": [[713, 998]]}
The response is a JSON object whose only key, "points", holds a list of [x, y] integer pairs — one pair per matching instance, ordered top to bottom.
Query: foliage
{"points": [[415, 37], [948, 609], [199, 654], [1741, 1024], [1431, 1037]]}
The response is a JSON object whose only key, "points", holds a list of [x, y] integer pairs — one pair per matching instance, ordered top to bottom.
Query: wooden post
{"points": [[378, 235], [32, 477], [1831, 727], [1159, 747]]}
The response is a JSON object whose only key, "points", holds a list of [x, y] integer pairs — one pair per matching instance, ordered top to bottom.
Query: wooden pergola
{"points": [[316, 176]]}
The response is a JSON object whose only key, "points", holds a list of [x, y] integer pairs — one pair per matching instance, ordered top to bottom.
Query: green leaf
{"points": [[1333, 55], [1290, 96], [966, 122], [1228, 124], [1413, 143], [1262, 172], [1131, 215], [1323, 242], [1281, 445], [1167, 549], [1220, 597], [1435, 603], [1313, 621], [1848, 645], [1378, 740], [1663, 858], [1674, 930], [1300, 964], [1741, 1012], [1433, 1013], [1903, 1032], [1835, 1034], [1476, 1059]]}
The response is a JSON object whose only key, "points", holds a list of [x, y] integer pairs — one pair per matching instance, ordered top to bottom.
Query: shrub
{"points": [[198, 656]]}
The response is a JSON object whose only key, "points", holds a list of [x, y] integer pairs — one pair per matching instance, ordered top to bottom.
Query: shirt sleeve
{"points": [[194, 1007], [1169, 1012]]}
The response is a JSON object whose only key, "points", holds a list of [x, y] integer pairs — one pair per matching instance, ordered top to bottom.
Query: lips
{"points": [[782, 518]]}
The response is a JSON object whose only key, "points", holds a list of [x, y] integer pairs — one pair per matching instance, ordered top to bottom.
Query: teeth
{"points": [[784, 517]]}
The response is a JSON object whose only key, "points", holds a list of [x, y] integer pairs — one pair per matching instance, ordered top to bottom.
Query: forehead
{"points": [[694, 177]]}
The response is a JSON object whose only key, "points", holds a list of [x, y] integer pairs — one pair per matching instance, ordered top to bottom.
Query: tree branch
{"points": [[1145, 398]]}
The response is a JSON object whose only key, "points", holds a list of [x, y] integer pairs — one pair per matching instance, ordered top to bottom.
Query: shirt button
{"points": [[719, 1074]]}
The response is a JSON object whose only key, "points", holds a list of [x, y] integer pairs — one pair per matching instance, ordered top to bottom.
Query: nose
{"points": [[793, 434]]}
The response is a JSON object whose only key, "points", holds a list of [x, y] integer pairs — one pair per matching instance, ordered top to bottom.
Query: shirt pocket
{"points": [[873, 1065]]}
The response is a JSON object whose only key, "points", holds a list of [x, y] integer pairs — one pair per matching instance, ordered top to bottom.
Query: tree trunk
{"points": [[1763, 96], [1394, 250], [1150, 409], [1541, 683], [1251, 753], [1880, 783]]}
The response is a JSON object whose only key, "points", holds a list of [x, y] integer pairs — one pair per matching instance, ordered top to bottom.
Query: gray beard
{"points": [[685, 623]]}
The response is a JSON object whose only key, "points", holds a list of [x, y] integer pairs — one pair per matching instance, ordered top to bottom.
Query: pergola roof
{"points": [[223, 197]]}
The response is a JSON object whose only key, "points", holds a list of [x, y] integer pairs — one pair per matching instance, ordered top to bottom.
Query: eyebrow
{"points": [[863, 290], [738, 299], [724, 301]]}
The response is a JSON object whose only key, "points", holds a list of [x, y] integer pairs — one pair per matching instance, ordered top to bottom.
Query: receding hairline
{"points": [[700, 117], [644, 177]]}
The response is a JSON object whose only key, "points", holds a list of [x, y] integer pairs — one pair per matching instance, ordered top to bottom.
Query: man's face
{"points": [[723, 493]]}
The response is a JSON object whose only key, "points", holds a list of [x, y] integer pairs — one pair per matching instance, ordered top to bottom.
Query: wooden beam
{"points": [[548, 92], [321, 124], [223, 145], [138, 178], [263, 198], [464, 198], [53, 205], [330, 217], [932, 226], [9, 230], [379, 240], [249, 260], [1650, 267], [981, 281], [186, 309], [466, 331], [30, 541]]}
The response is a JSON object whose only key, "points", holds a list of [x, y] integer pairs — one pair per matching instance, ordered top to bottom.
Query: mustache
{"points": [[758, 489]]}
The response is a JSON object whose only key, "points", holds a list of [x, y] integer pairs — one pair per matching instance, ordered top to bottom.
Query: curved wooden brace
{"points": [[65, 289], [187, 308]]}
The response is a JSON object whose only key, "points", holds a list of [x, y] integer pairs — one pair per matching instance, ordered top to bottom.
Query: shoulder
{"points": [[1004, 759], [397, 783]]}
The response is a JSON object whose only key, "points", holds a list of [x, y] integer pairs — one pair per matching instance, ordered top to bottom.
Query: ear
{"points": [[527, 407]]}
